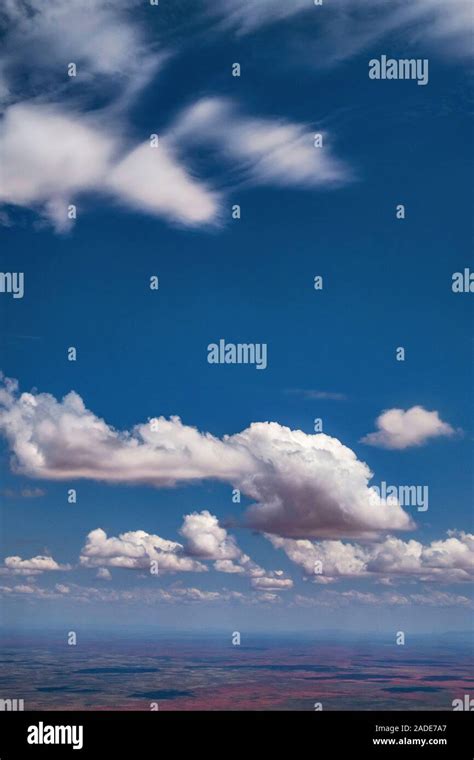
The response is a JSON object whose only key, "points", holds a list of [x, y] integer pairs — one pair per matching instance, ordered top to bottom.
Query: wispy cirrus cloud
{"points": [[343, 28], [80, 149], [269, 151], [75, 154], [315, 395]]}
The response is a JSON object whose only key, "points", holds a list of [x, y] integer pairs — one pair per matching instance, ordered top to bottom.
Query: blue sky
{"points": [[142, 354]]}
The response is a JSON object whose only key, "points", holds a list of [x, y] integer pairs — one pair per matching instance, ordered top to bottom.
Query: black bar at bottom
{"points": [[375, 734]]}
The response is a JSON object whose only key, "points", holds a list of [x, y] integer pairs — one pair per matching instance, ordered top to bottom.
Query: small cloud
{"points": [[318, 395], [399, 429], [24, 493], [34, 566], [104, 574]]}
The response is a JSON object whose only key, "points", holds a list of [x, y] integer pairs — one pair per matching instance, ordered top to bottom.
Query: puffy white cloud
{"points": [[269, 151], [399, 429], [302, 485], [311, 486], [206, 539], [136, 550], [323, 560], [447, 561], [35, 566], [228, 566]]}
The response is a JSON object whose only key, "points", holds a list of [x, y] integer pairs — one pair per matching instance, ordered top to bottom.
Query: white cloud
{"points": [[246, 16], [345, 27], [100, 36], [77, 149], [268, 151], [71, 154], [65, 155], [153, 180], [314, 395], [399, 429], [302, 485], [311, 486], [23, 493], [206, 539], [136, 550], [335, 557], [446, 561], [40, 564], [228, 566], [104, 574], [272, 583], [175, 594], [338, 599]]}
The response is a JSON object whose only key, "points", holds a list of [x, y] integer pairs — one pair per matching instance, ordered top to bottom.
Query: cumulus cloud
{"points": [[269, 151], [399, 429], [302, 485], [311, 486], [205, 539], [136, 550], [449, 560], [35, 566], [272, 583]]}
